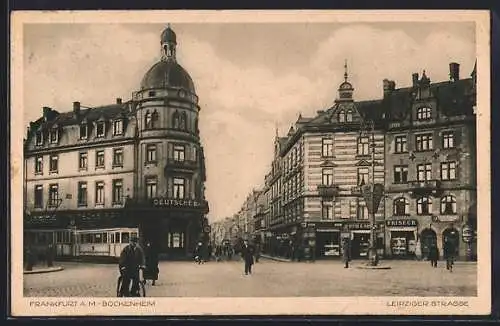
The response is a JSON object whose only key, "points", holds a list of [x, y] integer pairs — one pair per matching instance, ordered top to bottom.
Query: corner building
{"points": [[149, 170]]}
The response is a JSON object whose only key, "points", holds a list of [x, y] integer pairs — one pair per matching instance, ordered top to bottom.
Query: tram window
{"points": [[134, 235], [59, 237], [67, 237], [117, 237], [125, 237], [98, 238], [104, 238], [112, 238]]}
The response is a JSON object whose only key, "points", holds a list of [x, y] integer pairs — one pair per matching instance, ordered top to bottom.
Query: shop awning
{"points": [[403, 229], [360, 231]]}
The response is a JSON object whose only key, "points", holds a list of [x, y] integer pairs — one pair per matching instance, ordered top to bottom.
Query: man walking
{"points": [[247, 252], [346, 252], [449, 253]]}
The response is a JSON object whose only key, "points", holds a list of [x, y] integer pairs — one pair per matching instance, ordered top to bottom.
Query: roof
{"points": [[167, 73]]}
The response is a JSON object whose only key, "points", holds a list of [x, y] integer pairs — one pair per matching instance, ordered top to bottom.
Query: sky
{"points": [[251, 78]]}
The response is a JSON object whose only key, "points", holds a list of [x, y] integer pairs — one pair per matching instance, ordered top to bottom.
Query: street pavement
{"points": [[269, 279]]}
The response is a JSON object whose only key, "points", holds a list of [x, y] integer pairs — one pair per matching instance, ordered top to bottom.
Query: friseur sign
{"points": [[167, 202], [407, 222]]}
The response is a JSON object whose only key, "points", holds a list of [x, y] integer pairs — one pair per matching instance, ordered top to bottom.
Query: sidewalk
{"points": [[285, 260], [40, 270]]}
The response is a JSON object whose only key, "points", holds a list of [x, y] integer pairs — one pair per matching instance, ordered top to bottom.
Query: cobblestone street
{"points": [[269, 279]]}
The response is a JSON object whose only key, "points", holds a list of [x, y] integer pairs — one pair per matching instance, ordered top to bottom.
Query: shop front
{"points": [[402, 238]]}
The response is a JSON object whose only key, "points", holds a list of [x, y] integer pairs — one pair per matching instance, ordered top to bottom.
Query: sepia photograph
{"points": [[191, 163]]}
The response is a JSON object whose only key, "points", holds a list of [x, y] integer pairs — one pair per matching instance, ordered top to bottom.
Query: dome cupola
{"points": [[345, 89]]}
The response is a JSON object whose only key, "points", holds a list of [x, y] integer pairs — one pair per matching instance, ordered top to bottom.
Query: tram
{"points": [[81, 243]]}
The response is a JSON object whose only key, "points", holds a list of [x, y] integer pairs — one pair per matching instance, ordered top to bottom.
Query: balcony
{"points": [[181, 164], [425, 187], [328, 191]]}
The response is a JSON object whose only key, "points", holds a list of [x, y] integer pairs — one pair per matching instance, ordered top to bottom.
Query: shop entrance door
{"points": [[452, 235], [427, 239], [360, 244]]}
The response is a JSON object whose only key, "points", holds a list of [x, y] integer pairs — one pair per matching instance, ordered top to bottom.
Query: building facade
{"points": [[418, 141], [137, 164]]}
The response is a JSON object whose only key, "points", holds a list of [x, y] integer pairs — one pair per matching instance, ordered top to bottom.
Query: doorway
{"points": [[452, 235], [427, 239]]}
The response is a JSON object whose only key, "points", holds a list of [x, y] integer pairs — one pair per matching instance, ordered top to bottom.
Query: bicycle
{"points": [[119, 283]]}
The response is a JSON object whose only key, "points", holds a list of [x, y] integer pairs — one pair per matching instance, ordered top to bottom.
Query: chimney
{"points": [[454, 71], [415, 79], [389, 86], [118, 100], [76, 108], [46, 112]]}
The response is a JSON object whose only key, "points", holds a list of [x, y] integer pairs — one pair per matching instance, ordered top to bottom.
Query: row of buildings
{"points": [[418, 141], [131, 168]]}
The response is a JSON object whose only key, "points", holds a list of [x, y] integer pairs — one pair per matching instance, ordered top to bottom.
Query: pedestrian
{"points": [[247, 252], [257, 252], [198, 253], [449, 253], [49, 255], [346, 255], [433, 255], [131, 262], [152, 270]]}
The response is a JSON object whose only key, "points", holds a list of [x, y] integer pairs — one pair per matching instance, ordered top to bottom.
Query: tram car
{"points": [[69, 243]]}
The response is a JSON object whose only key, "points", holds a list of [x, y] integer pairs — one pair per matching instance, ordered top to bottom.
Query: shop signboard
{"points": [[402, 223]]}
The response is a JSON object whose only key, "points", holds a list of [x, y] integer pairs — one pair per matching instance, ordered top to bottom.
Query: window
{"points": [[152, 93], [423, 113], [341, 116], [349, 116], [154, 119], [148, 120], [175, 120], [183, 121], [117, 127], [84, 129], [100, 129], [54, 133], [38, 138], [448, 139], [400, 142], [423, 142], [363, 146], [327, 147], [179, 152], [151, 153], [118, 157], [195, 158], [99, 159], [83, 161], [39, 165], [54, 166], [448, 171], [424, 172], [401, 174], [362, 176], [327, 177], [151, 183], [179, 188], [117, 191], [99, 193], [82, 194], [54, 195], [38, 196], [448, 205], [401, 206], [424, 206], [327, 209], [362, 211]]}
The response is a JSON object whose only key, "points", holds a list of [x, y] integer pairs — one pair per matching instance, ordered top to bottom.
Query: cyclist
{"points": [[131, 262]]}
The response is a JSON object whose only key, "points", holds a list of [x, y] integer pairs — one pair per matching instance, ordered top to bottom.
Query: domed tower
{"points": [[170, 159]]}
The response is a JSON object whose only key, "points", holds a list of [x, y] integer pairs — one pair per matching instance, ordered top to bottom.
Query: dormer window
{"points": [[424, 113], [341, 116], [349, 116], [117, 127], [100, 129], [84, 131], [54, 136], [39, 138]]}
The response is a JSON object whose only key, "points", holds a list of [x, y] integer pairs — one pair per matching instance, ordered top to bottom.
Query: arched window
{"points": [[423, 113], [341, 116], [349, 116], [154, 119], [148, 120], [175, 120], [183, 121], [196, 124], [448, 205], [401, 206], [424, 206]]}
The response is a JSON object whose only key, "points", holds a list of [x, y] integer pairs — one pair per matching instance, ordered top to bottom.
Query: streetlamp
{"points": [[372, 193]]}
